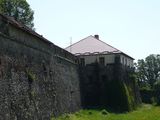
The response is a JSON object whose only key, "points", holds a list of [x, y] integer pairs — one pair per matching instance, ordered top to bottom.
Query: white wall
{"points": [[93, 58], [109, 59], [126, 61]]}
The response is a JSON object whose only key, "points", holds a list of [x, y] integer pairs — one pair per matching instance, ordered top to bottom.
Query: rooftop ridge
{"points": [[78, 41], [106, 43]]}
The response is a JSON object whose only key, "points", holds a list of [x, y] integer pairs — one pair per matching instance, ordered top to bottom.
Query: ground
{"points": [[145, 112]]}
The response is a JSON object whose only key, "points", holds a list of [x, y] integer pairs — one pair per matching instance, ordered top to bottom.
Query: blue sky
{"points": [[133, 26]]}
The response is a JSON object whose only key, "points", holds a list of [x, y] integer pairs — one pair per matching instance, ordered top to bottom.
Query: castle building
{"points": [[91, 49], [105, 73], [39, 80]]}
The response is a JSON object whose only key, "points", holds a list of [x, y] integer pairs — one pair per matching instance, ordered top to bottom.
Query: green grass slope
{"points": [[146, 112]]}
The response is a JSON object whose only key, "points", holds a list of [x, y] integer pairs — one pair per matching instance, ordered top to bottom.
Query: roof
{"points": [[18, 25], [91, 45]]}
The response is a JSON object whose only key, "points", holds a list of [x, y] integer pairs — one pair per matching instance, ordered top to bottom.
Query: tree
{"points": [[18, 9], [153, 68], [148, 70], [141, 73], [157, 91]]}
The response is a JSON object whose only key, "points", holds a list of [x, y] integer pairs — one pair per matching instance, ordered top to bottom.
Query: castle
{"points": [[105, 73], [39, 79]]}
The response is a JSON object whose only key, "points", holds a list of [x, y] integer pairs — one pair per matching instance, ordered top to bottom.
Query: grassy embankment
{"points": [[146, 112]]}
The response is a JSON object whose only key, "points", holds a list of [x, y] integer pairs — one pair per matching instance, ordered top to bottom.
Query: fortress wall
{"points": [[37, 79], [110, 86]]}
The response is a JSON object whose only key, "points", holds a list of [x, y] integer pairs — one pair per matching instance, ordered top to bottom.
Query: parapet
{"points": [[28, 37]]}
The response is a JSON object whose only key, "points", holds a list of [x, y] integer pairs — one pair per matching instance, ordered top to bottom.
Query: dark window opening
{"points": [[102, 60], [76, 61], [125, 61], [82, 62]]}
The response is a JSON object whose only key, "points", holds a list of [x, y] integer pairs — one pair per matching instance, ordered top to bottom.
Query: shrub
{"points": [[157, 91], [147, 95], [104, 112], [90, 113]]}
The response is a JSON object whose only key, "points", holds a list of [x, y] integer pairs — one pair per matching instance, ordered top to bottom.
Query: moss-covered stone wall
{"points": [[37, 79], [112, 86]]}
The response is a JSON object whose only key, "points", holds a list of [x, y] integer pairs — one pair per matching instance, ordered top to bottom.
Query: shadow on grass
{"points": [[106, 110]]}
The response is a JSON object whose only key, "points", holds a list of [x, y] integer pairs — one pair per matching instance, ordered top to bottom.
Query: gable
{"points": [[91, 45]]}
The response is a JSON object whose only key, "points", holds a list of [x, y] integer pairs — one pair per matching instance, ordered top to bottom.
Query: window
{"points": [[102, 60], [82, 61], [123, 61], [126, 61]]}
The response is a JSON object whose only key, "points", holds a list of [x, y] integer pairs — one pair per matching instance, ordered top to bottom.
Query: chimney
{"points": [[96, 36]]}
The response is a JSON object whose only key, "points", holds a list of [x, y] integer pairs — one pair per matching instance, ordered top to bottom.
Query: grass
{"points": [[146, 112]]}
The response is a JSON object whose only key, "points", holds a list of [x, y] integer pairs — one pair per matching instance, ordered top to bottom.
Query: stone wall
{"points": [[37, 79], [112, 86]]}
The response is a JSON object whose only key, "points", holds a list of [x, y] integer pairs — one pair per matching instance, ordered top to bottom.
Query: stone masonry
{"points": [[37, 79]]}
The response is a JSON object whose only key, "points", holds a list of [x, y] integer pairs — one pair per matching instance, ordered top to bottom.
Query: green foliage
{"points": [[18, 9], [148, 70], [148, 74], [31, 76], [157, 91], [33, 93], [147, 95], [120, 96], [129, 97], [104, 112], [146, 112], [90, 113], [52, 117], [66, 117]]}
